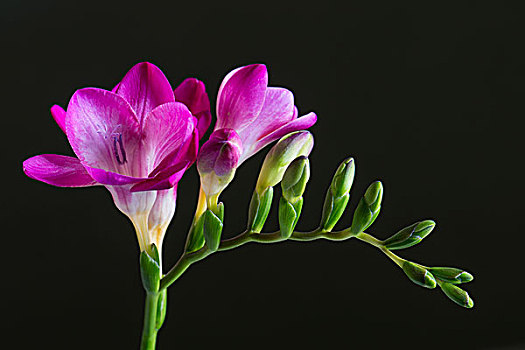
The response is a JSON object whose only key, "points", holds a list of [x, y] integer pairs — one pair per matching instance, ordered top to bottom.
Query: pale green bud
{"points": [[289, 147], [295, 178]]}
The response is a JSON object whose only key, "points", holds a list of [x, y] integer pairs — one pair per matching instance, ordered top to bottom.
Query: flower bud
{"points": [[288, 148], [218, 160], [295, 178], [343, 178], [338, 194], [368, 208], [410, 235], [451, 274], [419, 275], [457, 295]]}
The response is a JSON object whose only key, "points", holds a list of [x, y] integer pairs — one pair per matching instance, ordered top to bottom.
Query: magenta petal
{"points": [[145, 87], [193, 94], [241, 97], [277, 110], [59, 115], [302, 123], [166, 131], [104, 133], [57, 170], [110, 178], [164, 180]]}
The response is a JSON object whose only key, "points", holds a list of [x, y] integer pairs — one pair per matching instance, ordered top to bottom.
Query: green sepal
{"points": [[259, 208], [368, 208], [333, 209], [220, 211], [289, 215], [212, 230], [410, 236], [195, 239], [150, 270], [451, 274], [419, 275], [457, 295], [161, 308]]}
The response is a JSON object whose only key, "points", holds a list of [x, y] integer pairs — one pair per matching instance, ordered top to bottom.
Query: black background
{"points": [[426, 96]]}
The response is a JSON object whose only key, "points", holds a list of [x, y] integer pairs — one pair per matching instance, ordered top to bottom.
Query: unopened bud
{"points": [[289, 147], [218, 160], [295, 178], [337, 196], [368, 208], [410, 235], [451, 274], [419, 275], [457, 295]]}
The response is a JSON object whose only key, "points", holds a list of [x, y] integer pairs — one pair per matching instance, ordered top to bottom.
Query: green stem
{"points": [[149, 332]]}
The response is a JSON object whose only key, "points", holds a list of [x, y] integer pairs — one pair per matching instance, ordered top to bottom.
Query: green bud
{"points": [[288, 148], [295, 178], [343, 178], [337, 196], [259, 208], [368, 208], [288, 216], [212, 229], [410, 235], [195, 240], [150, 269], [419, 275], [451, 275], [457, 295], [161, 308]]}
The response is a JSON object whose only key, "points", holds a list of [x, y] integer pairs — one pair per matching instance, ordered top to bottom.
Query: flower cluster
{"points": [[138, 139]]}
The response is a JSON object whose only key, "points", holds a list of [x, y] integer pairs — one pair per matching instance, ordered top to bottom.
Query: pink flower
{"points": [[250, 115], [137, 140]]}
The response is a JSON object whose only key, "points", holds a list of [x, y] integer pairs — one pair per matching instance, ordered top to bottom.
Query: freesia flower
{"points": [[252, 114], [136, 140]]}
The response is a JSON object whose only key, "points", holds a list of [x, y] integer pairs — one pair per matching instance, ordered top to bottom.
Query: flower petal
{"points": [[145, 87], [193, 94], [241, 97], [277, 110], [59, 115], [302, 123], [166, 131], [104, 133], [57, 170], [167, 176], [111, 178]]}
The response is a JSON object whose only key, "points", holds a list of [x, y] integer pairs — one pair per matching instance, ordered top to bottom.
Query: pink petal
{"points": [[145, 87], [193, 94], [241, 97], [278, 109], [59, 115], [302, 123], [166, 131], [104, 133], [57, 170], [169, 172], [110, 178]]}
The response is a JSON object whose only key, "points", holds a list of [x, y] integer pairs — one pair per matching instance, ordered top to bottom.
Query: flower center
{"points": [[118, 149]]}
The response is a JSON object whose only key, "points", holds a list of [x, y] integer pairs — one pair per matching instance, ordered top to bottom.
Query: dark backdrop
{"points": [[425, 96]]}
